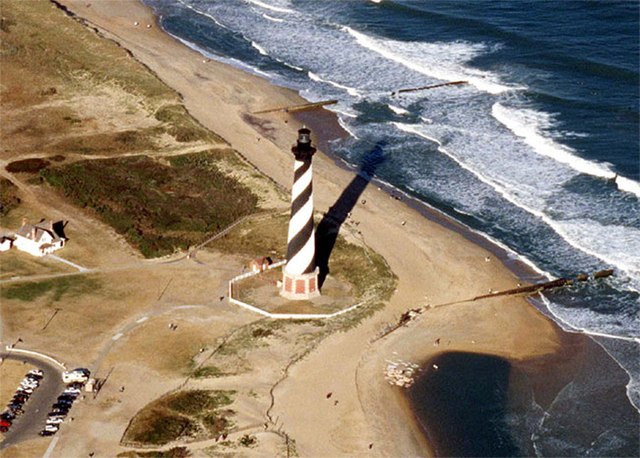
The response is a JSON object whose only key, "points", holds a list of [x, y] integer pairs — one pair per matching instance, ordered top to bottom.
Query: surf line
{"points": [[432, 86]]}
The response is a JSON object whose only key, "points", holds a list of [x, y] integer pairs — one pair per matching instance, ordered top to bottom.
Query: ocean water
{"points": [[539, 151]]}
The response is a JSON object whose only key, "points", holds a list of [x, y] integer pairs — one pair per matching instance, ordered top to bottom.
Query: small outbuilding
{"points": [[42, 238], [260, 264]]}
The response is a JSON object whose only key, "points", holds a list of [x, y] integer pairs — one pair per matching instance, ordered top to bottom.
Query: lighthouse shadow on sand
{"points": [[329, 227]]}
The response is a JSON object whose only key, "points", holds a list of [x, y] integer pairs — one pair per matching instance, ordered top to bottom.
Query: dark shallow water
{"points": [[463, 405], [481, 405]]}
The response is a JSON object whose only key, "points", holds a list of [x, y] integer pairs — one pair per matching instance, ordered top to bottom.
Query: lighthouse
{"points": [[300, 274]]}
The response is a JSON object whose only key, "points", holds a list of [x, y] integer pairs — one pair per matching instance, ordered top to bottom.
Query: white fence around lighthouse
{"points": [[282, 316]]}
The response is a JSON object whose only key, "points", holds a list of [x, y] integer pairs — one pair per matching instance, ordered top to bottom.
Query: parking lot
{"points": [[35, 409]]}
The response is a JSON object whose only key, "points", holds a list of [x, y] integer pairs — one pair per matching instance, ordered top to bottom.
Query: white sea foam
{"points": [[267, 6], [203, 13], [271, 18], [260, 49], [226, 60], [443, 61], [351, 91], [397, 110], [528, 124], [346, 127], [628, 185], [586, 236], [616, 245], [573, 327]]}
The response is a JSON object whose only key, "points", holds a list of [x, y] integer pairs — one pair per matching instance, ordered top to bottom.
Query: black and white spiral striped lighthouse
{"points": [[300, 274]]}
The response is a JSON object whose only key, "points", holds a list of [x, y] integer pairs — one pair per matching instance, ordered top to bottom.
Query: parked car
{"points": [[36, 372], [77, 375], [29, 383], [72, 392], [20, 398], [63, 406], [16, 409], [60, 412], [7, 415], [54, 420], [6, 423], [53, 428], [4, 429], [45, 432]]}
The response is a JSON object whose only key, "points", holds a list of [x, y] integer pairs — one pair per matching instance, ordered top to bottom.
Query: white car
{"points": [[36, 372], [76, 375], [26, 383], [54, 420], [52, 428]]}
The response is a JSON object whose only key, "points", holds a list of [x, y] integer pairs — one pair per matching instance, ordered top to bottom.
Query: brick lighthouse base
{"points": [[300, 287]]}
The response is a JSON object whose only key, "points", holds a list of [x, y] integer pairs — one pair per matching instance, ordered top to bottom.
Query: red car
{"points": [[5, 425]]}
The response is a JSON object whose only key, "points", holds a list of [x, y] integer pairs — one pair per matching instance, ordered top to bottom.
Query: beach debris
{"points": [[136, 23], [148, 26], [403, 223], [487, 259], [404, 320], [437, 342], [435, 366], [401, 373], [329, 394], [370, 445]]}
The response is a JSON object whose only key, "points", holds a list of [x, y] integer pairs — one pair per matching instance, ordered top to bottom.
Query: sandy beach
{"points": [[435, 265]]}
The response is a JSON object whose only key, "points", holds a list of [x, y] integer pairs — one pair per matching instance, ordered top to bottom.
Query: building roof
{"points": [[36, 231]]}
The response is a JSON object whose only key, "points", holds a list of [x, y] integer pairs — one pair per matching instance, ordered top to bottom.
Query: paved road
{"points": [[28, 425]]}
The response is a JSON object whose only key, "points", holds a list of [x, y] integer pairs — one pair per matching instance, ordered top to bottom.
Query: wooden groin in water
{"points": [[432, 86], [293, 108], [537, 287], [413, 314]]}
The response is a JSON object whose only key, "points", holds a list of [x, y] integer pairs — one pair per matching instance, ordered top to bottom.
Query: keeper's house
{"points": [[40, 239]]}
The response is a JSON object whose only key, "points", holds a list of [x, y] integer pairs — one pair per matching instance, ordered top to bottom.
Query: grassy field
{"points": [[158, 206], [58, 288], [181, 414]]}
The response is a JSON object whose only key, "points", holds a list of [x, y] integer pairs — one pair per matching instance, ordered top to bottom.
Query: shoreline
{"points": [[366, 410]]}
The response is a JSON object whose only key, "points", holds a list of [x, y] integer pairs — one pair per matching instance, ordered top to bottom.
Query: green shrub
{"points": [[33, 165], [158, 208]]}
